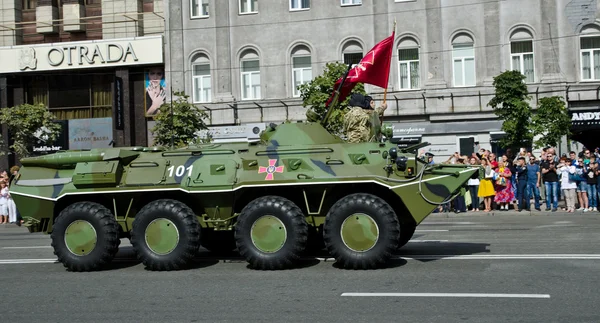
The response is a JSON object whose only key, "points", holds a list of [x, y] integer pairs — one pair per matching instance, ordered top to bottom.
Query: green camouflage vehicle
{"points": [[272, 200]]}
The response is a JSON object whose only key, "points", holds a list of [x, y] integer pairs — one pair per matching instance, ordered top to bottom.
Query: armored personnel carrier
{"points": [[270, 199]]}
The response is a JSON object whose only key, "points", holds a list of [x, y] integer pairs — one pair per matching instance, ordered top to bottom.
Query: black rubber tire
{"points": [[384, 217], [186, 223], [407, 230], [107, 232], [297, 233], [218, 242]]}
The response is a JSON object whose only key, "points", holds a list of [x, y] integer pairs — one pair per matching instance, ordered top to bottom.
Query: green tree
{"points": [[315, 94], [511, 106], [551, 121], [27, 124], [182, 125]]}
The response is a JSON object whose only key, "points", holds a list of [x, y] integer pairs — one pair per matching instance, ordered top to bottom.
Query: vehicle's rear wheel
{"points": [[361, 231], [271, 233], [165, 235], [85, 236]]}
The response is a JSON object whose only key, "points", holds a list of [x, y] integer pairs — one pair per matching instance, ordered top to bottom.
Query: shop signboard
{"points": [[82, 54], [118, 104], [582, 120], [90, 133], [42, 146]]}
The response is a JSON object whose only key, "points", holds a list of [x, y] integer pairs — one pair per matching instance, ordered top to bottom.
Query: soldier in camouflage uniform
{"points": [[362, 123]]}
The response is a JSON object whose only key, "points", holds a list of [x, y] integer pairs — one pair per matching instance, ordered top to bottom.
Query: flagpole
{"points": [[389, 64], [336, 96]]}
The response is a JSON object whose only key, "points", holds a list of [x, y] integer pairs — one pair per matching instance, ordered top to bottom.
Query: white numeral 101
{"points": [[180, 170]]}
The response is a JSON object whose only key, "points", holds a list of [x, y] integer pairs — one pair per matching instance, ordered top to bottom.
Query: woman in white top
{"points": [[566, 184]]}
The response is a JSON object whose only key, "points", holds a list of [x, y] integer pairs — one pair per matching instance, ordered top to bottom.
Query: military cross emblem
{"points": [[271, 169]]}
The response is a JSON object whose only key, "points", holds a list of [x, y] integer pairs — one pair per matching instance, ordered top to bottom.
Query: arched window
{"points": [[352, 52], [590, 53], [521, 54], [463, 60], [408, 64], [301, 67], [250, 75], [201, 79]]}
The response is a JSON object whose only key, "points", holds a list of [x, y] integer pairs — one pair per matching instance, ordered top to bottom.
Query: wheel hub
{"points": [[359, 232], [268, 234], [162, 236], [80, 237]]}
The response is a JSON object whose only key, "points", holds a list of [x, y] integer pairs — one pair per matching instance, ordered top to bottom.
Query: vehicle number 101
{"points": [[180, 170]]}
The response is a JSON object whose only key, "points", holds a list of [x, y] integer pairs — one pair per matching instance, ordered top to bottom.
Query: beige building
{"points": [[97, 65]]}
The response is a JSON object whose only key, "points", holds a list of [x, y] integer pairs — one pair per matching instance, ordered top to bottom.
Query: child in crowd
{"points": [[592, 181], [3, 202]]}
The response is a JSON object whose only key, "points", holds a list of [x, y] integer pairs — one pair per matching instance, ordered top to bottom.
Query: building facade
{"points": [[242, 60], [97, 65]]}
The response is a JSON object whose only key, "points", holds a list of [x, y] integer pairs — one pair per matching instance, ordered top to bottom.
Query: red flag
{"points": [[374, 68]]}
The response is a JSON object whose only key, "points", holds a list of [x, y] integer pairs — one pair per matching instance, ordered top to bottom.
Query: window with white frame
{"points": [[351, 2], [299, 4], [248, 6], [199, 8], [352, 52], [590, 58], [521, 59], [463, 61], [408, 64], [301, 68], [250, 76], [201, 79]]}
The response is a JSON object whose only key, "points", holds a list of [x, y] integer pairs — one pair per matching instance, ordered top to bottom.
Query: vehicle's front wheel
{"points": [[361, 231], [271, 233], [166, 235], [85, 236]]}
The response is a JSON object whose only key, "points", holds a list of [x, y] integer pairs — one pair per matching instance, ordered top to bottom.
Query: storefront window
{"points": [[73, 97]]}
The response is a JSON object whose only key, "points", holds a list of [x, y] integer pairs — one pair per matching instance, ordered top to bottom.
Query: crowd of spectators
{"points": [[513, 181]]}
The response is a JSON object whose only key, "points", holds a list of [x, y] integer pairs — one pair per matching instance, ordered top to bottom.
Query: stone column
{"points": [[10, 13], [46, 13], [73, 14], [114, 22], [383, 25], [435, 47], [550, 49], [174, 53], [493, 54], [223, 56], [3, 104], [138, 117], [123, 137]]}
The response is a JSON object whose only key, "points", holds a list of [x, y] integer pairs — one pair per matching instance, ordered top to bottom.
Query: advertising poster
{"points": [[155, 88], [90, 133], [43, 146]]}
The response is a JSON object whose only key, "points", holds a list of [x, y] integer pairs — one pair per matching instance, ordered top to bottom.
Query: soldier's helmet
{"points": [[359, 100]]}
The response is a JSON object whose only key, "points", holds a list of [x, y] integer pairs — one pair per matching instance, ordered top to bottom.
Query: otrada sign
{"points": [[86, 54]]}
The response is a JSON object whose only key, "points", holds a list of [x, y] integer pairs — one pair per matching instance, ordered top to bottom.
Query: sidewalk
{"points": [[511, 212]]}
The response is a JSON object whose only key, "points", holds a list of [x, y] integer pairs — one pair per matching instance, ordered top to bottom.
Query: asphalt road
{"points": [[504, 268]]}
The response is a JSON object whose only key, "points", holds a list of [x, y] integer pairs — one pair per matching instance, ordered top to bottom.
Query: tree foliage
{"points": [[315, 94], [511, 106], [551, 121], [29, 124], [182, 125]]}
